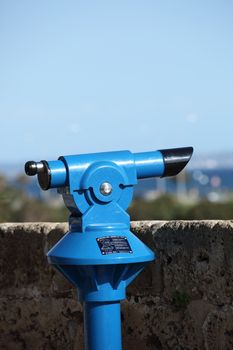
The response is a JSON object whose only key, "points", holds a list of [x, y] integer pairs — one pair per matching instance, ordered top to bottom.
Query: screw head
{"points": [[105, 188]]}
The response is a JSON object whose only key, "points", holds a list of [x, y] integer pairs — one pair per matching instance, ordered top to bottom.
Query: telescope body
{"points": [[99, 254]]}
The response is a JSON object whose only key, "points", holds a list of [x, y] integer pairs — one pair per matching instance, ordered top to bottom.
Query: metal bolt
{"points": [[106, 189]]}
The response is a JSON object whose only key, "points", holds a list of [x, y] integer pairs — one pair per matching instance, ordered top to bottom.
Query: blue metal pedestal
{"points": [[101, 287], [102, 325]]}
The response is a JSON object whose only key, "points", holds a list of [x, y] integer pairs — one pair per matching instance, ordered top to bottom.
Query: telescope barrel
{"points": [[167, 162]]}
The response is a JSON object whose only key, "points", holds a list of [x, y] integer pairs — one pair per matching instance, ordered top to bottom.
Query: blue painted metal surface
{"points": [[99, 255], [102, 326]]}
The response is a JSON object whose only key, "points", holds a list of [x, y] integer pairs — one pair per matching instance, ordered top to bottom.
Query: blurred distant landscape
{"points": [[203, 191]]}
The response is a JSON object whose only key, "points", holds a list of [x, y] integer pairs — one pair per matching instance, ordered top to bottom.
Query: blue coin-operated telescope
{"points": [[99, 254]]}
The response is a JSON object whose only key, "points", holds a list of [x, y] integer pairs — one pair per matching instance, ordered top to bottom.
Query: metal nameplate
{"points": [[114, 244]]}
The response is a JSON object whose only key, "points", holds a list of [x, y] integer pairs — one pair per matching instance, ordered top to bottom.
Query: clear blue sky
{"points": [[86, 76]]}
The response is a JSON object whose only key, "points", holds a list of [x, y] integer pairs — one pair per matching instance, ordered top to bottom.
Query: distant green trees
{"points": [[16, 206], [167, 207]]}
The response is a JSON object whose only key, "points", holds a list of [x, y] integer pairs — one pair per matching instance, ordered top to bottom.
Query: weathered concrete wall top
{"points": [[184, 300]]}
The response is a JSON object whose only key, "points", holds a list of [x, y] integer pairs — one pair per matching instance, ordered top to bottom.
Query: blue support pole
{"points": [[102, 325]]}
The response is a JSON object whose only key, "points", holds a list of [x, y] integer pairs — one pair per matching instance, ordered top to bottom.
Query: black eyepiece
{"points": [[175, 159], [30, 168], [42, 170]]}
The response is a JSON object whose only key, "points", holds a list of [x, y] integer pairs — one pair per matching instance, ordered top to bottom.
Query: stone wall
{"points": [[184, 300]]}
